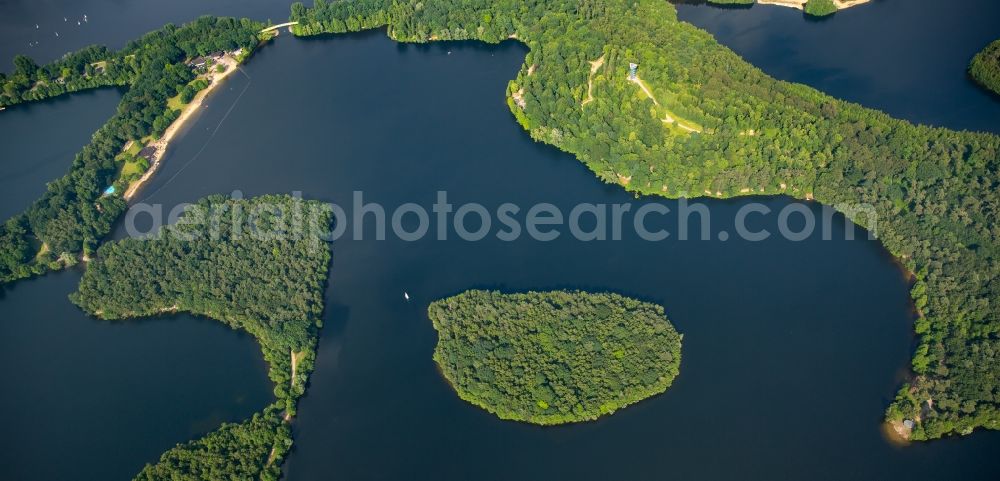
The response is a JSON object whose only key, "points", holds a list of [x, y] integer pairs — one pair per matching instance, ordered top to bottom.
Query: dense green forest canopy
{"points": [[820, 8], [90, 67], [985, 67], [737, 131], [73, 215], [258, 265], [554, 357], [251, 450]]}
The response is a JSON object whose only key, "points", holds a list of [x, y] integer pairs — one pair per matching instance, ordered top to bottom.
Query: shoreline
{"points": [[800, 4], [187, 113], [896, 433]]}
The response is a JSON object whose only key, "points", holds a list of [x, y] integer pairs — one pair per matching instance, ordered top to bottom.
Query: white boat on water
{"points": [[406, 295]]}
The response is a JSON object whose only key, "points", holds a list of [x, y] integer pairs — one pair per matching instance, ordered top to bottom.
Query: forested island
{"points": [[985, 67], [695, 120], [699, 120], [77, 210], [240, 262], [554, 357]]}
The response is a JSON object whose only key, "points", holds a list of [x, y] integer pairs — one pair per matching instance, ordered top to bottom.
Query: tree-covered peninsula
{"points": [[985, 67], [699, 120], [75, 212], [257, 265], [554, 357]]}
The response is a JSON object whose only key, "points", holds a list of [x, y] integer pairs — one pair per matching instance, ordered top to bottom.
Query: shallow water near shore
{"points": [[791, 349]]}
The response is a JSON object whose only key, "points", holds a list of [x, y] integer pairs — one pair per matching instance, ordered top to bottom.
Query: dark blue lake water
{"points": [[791, 351]]}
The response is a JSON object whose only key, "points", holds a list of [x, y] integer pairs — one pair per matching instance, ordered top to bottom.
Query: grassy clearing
{"points": [[175, 103], [134, 167]]}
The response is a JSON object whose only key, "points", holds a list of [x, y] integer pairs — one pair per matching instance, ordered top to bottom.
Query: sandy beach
{"points": [[800, 4], [163, 143]]}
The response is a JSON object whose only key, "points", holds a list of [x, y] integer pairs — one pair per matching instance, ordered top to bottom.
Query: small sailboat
{"points": [[36, 26], [57, 34], [406, 295]]}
